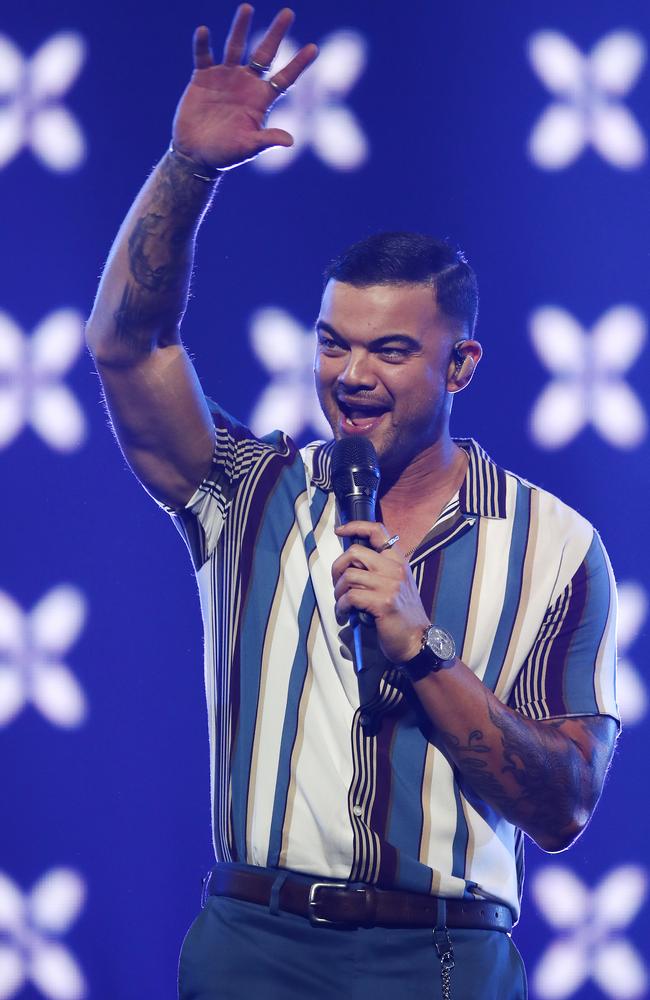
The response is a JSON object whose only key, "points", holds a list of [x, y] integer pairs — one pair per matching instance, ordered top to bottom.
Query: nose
{"points": [[358, 373]]}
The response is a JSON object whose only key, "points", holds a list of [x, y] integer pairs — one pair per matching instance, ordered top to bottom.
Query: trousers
{"points": [[235, 950]]}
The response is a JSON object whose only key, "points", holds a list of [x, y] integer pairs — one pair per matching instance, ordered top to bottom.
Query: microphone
{"points": [[355, 478]]}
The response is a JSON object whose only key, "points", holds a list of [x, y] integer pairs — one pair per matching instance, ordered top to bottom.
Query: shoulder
{"points": [[554, 514], [557, 534], [564, 537]]}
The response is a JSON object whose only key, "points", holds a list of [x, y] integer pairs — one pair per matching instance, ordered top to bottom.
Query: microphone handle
{"points": [[359, 508]]}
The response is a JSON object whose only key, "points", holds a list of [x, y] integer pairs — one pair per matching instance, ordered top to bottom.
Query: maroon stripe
{"points": [[501, 492], [431, 575], [559, 653]]}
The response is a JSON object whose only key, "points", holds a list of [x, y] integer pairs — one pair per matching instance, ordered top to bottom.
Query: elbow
{"points": [[558, 839], [556, 843]]}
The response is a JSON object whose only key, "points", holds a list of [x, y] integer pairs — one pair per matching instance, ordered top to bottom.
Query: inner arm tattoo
{"points": [[536, 776]]}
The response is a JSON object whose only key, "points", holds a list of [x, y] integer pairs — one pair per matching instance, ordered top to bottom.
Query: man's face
{"points": [[382, 359]]}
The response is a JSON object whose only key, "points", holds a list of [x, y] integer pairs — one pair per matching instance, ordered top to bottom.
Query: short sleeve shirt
{"points": [[317, 770]]}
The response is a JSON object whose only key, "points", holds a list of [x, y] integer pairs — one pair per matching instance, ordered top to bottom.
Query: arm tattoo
{"points": [[160, 251], [130, 322], [536, 776]]}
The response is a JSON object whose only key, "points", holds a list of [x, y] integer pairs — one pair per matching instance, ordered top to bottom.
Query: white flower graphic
{"points": [[30, 93], [587, 109], [313, 110], [286, 349], [31, 369], [588, 385], [632, 613], [32, 646], [590, 924], [30, 925]]}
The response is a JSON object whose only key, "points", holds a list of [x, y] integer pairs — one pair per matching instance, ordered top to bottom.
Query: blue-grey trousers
{"points": [[242, 951]]}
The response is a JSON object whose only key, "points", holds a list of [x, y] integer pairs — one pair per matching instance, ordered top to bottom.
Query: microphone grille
{"points": [[353, 451], [354, 464]]}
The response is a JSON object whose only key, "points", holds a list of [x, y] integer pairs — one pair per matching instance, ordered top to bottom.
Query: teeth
{"points": [[355, 419]]}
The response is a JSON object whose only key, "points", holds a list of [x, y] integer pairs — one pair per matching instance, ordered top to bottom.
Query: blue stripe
{"points": [[277, 522], [516, 558], [457, 564], [454, 589], [578, 688], [290, 725], [405, 819], [461, 836], [411, 874]]}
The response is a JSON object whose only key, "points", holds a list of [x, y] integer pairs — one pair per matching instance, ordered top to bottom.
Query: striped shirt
{"points": [[319, 771]]}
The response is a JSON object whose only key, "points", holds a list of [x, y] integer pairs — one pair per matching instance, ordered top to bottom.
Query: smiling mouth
{"points": [[359, 418]]}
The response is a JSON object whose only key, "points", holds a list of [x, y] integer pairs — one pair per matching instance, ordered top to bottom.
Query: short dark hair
{"points": [[411, 259]]}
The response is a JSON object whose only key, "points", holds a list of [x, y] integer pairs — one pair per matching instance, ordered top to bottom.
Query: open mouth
{"points": [[358, 419]]}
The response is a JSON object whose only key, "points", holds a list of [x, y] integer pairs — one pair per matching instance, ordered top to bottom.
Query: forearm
{"points": [[143, 292], [533, 773]]}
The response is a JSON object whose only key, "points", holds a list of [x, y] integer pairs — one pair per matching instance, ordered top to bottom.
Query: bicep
{"points": [[162, 422]]}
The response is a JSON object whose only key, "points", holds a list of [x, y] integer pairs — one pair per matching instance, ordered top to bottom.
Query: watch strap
{"points": [[423, 663]]}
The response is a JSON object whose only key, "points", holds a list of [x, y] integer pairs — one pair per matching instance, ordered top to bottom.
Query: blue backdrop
{"points": [[518, 130]]}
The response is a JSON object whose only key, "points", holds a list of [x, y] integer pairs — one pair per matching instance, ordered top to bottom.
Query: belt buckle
{"points": [[313, 902]]}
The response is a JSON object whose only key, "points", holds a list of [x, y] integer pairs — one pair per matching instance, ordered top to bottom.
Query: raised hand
{"points": [[221, 116]]}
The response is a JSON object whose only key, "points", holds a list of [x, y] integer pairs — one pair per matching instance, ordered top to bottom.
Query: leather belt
{"points": [[345, 905]]}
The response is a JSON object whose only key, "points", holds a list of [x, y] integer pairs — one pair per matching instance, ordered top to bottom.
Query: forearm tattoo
{"points": [[160, 253], [536, 776]]}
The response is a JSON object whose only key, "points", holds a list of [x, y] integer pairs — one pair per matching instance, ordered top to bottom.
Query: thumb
{"points": [[273, 137]]}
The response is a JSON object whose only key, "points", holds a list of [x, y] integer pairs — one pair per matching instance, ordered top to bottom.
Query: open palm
{"points": [[220, 119]]}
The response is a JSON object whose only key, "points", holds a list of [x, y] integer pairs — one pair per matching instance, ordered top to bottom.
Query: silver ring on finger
{"points": [[258, 68], [276, 86], [389, 544]]}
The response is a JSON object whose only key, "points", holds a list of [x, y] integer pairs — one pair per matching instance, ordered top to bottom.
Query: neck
{"points": [[439, 468]]}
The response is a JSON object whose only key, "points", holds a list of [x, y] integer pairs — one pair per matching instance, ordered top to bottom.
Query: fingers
{"points": [[233, 50], [265, 52], [203, 57], [302, 59], [376, 533], [367, 560], [352, 578], [354, 600]]}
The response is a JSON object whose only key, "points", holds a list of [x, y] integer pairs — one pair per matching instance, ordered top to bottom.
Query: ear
{"points": [[465, 356]]}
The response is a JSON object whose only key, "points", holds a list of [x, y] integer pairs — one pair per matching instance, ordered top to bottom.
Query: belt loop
{"points": [[204, 888], [274, 896]]}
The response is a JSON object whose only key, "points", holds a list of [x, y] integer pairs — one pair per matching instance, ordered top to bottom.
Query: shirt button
{"points": [[357, 810]]}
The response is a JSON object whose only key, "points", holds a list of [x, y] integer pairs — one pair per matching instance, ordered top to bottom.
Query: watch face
{"points": [[441, 643]]}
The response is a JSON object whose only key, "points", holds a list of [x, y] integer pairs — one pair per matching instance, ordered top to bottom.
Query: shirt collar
{"points": [[482, 494]]}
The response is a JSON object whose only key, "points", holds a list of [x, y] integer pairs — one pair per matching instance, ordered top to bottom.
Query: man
{"points": [[368, 828]]}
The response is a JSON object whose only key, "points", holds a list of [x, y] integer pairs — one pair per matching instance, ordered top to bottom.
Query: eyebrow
{"points": [[388, 338]]}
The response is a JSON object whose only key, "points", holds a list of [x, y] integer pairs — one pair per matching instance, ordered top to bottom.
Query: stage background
{"points": [[517, 130]]}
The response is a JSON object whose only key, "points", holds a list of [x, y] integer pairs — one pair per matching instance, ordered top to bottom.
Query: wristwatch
{"points": [[438, 649]]}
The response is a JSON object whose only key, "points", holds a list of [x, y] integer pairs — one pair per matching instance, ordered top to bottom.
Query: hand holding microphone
{"points": [[373, 583]]}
